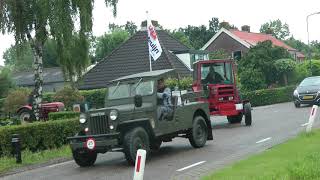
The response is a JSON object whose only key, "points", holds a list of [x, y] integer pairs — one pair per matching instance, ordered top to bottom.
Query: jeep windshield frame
{"points": [[128, 89]]}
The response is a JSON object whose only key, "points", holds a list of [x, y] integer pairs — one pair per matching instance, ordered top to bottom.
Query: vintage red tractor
{"points": [[215, 80], [26, 114]]}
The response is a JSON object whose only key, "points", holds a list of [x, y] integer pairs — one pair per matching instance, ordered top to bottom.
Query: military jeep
{"points": [[130, 121]]}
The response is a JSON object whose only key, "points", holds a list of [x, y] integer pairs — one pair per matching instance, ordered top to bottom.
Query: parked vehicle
{"points": [[217, 81], [307, 92], [26, 114], [130, 120]]}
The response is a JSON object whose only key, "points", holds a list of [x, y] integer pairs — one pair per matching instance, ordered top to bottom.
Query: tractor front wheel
{"points": [[247, 114]]}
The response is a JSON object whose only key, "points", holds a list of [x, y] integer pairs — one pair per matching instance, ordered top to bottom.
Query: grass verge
{"points": [[29, 158], [297, 159]]}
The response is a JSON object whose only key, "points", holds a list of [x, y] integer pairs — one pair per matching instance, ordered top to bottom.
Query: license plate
{"points": [[307, 97]]}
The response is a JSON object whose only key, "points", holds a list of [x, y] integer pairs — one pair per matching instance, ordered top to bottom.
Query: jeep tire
{"points": [[247, 114], [235, 119], [199, 133], [135, 139], [84, 158]]}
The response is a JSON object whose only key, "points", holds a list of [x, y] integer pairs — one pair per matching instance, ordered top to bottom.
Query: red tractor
{"points": [[216, 81], [26, 114]]}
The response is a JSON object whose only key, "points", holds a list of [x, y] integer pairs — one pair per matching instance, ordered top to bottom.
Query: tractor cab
{"points": [[215, 81]]}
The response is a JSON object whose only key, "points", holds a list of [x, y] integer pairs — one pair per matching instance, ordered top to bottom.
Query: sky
{"points": [[172, 14]]}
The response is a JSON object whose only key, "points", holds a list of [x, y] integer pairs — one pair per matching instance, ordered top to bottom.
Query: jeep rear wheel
{"points": [[235, 119], [199, 133], [134, 140], [84, 158]]}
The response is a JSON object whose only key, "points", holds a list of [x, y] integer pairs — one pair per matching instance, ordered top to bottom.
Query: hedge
{"points": [[269, 96], [95, 98], [63, 115], [39, 135]]}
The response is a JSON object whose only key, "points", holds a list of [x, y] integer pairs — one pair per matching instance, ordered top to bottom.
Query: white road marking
{"points": [[304, 124], [263, 140], [55, 165], [192, 165]]}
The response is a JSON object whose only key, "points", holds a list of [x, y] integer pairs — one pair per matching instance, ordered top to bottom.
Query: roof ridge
{"points": [[175, 39]]}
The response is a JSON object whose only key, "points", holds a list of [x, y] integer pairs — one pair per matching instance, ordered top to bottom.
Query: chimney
{"points": [[154, 23], [245, 28]]}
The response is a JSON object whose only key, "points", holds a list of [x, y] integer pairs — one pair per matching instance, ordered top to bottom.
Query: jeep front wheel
{"points": [[199, 133], [134, 140], [84, 158]]}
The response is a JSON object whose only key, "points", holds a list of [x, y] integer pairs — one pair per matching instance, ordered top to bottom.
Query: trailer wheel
{"points": [[247, 114], [235, 119], [199, 133], [135, 139], [84, 158]]}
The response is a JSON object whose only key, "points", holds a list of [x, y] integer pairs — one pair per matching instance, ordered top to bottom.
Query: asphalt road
{"points": [[178, 160]]}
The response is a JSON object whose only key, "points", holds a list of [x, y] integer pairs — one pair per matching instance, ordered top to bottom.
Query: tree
{"points": [[36, 20], [227, 25], [131, 27], [276, 28], [181, 37], [108, 42], [297, 44], [262, 58], [25, 59], [284, 67], [6, 82]]}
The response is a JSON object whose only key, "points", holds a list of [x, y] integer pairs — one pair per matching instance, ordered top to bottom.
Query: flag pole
{"points": [[150, 62]]}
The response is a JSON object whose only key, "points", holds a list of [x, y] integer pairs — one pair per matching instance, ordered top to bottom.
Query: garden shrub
{"points": [[68, 96], [16, 99], [63, 115]]}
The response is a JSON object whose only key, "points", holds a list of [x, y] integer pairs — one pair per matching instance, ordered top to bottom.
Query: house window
{"points": [[237, 55]]}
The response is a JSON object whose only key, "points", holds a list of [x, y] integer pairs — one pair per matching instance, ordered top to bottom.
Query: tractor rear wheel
{"points": [[26, 116]]}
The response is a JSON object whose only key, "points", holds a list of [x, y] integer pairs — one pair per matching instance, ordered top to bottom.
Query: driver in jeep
{"points": [[213, 77], [164, 95]]}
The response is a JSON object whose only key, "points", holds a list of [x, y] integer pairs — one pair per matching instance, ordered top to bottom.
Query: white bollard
{"points": [[312, 117], [140, 164]]}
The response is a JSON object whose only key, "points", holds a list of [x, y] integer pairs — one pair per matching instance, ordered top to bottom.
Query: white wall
{"points": [[185, 58]]}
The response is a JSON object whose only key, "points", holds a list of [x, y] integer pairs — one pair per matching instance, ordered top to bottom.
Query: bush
{"points": [[252, 79], [185, 83], [68, 96], [269, 96], [95, 98], [16, 99], [1, 104], [63, 115], [39, 135]]}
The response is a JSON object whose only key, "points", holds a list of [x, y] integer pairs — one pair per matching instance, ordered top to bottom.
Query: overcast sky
{"points": [[173, 14]]}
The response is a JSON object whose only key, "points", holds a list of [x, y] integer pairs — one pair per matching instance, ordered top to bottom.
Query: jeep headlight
{"points": [[295, 93], [113, 115], [82, 118]]}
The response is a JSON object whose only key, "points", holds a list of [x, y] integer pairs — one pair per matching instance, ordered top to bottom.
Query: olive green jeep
{"points": [[130, 119]]}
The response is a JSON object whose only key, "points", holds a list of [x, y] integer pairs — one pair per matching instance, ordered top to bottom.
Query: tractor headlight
{"points": [[295, 93], [113, 115], [82, 118]]}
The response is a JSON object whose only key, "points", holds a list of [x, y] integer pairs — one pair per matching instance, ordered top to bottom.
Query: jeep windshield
{"points": [[127, 89]]}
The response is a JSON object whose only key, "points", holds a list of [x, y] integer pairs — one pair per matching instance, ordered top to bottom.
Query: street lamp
{"points": [[309, 55]]}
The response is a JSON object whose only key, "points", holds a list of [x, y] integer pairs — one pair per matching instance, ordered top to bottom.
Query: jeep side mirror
{"points": [[138, 100]]}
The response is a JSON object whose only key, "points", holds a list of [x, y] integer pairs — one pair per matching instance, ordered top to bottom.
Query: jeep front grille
{"points": [[98, 125]]}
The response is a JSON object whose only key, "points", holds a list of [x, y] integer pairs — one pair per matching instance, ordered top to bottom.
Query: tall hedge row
{"points": [[269, 96], [39, 135]]}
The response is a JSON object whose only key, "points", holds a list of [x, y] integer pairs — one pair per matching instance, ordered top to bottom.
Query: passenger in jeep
{"points": [[165, 105]]}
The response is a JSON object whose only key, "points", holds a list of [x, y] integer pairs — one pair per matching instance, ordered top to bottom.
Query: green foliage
{"points": [[276, 28], [181, 37], [108, 42], [297, 44], [262, 58], [284, 67], [315, 67], [301, 71], [252, 79], [6, 82], [185, 83], [68, 96], [269, 96], [95, 98], [16, 99], [2, 104], [63, 115], [39, 135]]}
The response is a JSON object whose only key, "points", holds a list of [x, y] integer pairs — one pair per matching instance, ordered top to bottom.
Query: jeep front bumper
{"points": [[103, 141]]}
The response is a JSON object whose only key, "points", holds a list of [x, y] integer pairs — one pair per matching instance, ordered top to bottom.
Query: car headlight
{"points": [[295, 93], [113, 115], [82, 118]]}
